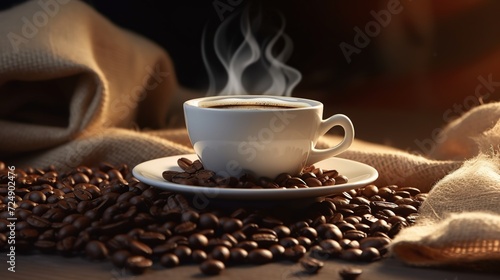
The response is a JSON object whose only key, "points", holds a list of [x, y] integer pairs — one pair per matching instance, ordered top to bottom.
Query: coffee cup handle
{"points": [[336, 120]]}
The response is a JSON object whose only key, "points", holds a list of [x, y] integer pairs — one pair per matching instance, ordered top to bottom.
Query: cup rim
{"points": [[311, 104]]}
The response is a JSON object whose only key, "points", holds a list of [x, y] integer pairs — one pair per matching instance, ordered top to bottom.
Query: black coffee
{"points": [[253, 106]]}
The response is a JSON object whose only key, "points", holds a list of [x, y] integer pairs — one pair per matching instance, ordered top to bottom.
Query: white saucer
{"points": [[359, 174]]}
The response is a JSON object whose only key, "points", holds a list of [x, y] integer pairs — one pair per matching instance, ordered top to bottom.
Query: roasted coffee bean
{"points": [[185, 164], [168, 175], [80, 178], [341, 179], [294, 181], [313, 182], [369, 191], [36, 196], [27, 204], [40, 209], [118, 210], [405, 210], [22, 214], [190, 216], [395, 219], [352, 220], [208, 221], [38, 222], [22, 225], [231, 225], [344, 226], [380, 226], [362, 227], [185, 228], [249, 228], [396, 228], [67, 230], [308, 232], [28, 234], [354, 234], [151, 238], [230, 238], [264, 240], [197, 241], [304, 241], [288, 242], [375, 242], [212, 243], [68, 244], [349, 244], [43, 245], [248, 245], [330, 247], [138, 248], [164, 248], [96, 250], [277, 250], [183, 252], [220, 253], [294, 253], [352, 254], [370, 254], [238, 255], [199, 256], [260, 256], [119, 258], [169, 260], [138, 264], [311, 265], [212, 267], [350, 273]]}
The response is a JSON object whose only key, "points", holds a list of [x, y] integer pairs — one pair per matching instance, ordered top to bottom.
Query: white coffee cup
{"points": [[262, 135]]}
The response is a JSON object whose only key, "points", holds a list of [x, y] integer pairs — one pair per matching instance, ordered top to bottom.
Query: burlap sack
{"points": [[71, 81], [73, 87]]}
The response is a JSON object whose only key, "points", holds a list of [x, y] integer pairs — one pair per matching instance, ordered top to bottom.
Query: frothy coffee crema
{"points": [[253, 104]]}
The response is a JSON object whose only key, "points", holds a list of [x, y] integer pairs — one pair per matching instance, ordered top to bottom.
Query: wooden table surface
{"points": [[54, 267]]}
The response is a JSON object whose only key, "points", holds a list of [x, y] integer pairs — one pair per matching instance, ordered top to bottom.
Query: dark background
{"points": [[426, 61]]}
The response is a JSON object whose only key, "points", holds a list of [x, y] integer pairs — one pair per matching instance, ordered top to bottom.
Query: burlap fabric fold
{"points": [[75, 89]]}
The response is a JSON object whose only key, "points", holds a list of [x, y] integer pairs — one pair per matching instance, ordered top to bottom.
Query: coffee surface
{"points": [[259, 103], [252, 107]]}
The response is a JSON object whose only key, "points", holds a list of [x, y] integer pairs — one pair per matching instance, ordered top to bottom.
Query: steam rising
{"points": [[252, 68]]}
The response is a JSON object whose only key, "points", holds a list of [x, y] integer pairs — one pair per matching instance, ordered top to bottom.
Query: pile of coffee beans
{"points": [[195, 175], [103, 212]]}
